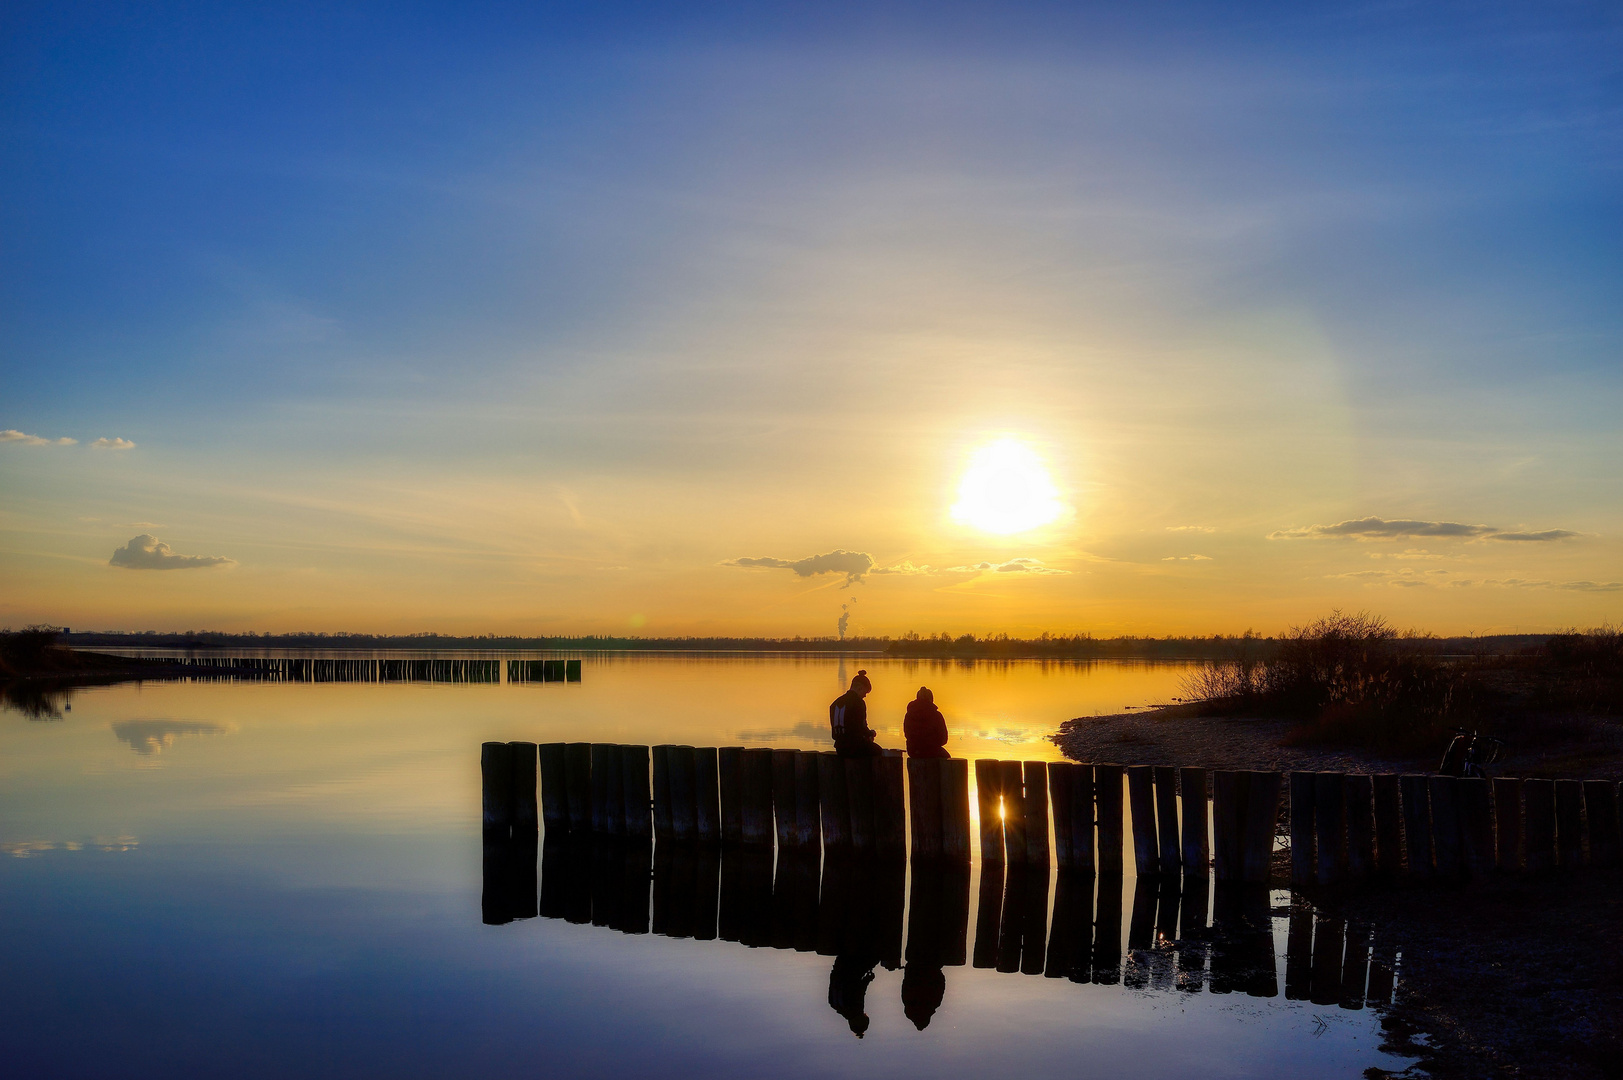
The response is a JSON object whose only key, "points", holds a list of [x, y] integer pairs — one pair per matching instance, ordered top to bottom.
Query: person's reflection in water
{"points": [[924, 727], [848, 987], [922, 991]]}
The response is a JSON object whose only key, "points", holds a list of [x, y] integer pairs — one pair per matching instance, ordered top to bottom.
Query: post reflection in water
{"points": [[853, 910]]}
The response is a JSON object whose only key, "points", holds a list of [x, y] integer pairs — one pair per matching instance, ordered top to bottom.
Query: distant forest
{"points": [[940, 646]]}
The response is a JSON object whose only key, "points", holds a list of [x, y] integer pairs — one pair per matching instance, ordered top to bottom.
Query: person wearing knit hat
{"points": [[848, 719]]}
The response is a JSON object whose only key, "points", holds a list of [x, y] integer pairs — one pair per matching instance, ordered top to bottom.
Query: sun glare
{"points": [[1006, 489]]}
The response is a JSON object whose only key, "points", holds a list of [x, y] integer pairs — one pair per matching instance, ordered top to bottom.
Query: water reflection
{"points": [[152, 736], [1182, 935]]}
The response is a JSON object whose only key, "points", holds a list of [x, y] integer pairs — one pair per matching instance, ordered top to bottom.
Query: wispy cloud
{"points": [[12, 435], [115, 443], [140, 525], [1191, 528], [1374, 528], [147, 552], [1187, 558], [853, 564], [1012, 566]]}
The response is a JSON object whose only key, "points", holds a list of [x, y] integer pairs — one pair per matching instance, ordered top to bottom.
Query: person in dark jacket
{"points": [[848, 719], [925, 727]]}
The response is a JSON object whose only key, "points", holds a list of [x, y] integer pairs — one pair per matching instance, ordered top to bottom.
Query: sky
{"points": [[746, 318]]}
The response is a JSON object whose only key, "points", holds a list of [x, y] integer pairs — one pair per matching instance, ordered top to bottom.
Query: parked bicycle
{"points": [[1470, 754]]}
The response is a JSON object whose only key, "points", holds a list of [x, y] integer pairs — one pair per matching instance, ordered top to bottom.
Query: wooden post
{"points": [[601, 752], [756, 766], [924, 783], [859, 785], [578, 786], [1060, 786], [496, 787], [616, 791], [730, 791], [1360, 792], [662, 793], [1107, 794], [706, 796], [988, 796], [554, 798], [783, 798], [806, 800], [1600, 800], [1141, 801], [638, 803], [836, 806], [684, 808], [890, 811], [1014, 811], [1228, 811], [1507, 813], [1036, 814], [955, 816], [525, 818], [1166, 818], [1082, 821], [1261, 821], [1417, 824], [1476, 825], [1330, 826], [1388, 826], [1445, 826], [1538, 828], [1569, 833], [1197, 848], [1303, 867]]}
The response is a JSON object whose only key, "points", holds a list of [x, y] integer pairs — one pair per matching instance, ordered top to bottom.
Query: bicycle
{"points": [[1470, 754]]}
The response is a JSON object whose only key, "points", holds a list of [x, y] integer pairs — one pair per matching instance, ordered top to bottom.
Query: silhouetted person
{"points": [[848, 718], [925, 727], [848, 987], [922, 990]]}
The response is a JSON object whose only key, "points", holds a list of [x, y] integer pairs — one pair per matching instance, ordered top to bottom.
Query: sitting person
{"points": [[848, 721], [925, 727]]}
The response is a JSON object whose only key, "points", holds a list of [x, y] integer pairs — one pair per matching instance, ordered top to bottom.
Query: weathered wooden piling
{"points": [[571, 671], [601, 752], [660, 756], [756, 767], [924, 783], [578, 786], [496, 787], [1060, 788], [616, 791], [730, 791], [859, 791], [1360, 793], [706, 796], [1108, 796], [554, 797], [783, 798], [806, 800], [989, 800], [1141, 800], [638, 801], [1600, 802], [835, 803], [684, 805], [1507, 807], [890, 809], [1014, 811], [955, 814], [1228, 814], [1036, 815], [525, 817], [1166, 818], [1082, 819], [1261, 819], [1417, 824], [1445, 825], [1476, 825], [1538, 825], [1330, 826], [1388, 826], [1569, 830], [1197, 847], [1304, 867]]}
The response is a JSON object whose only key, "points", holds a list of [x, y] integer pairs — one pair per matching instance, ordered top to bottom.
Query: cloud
{"points": [[13, 435], [115, 443], [139, 525], [1191, 528], [1374, 528], [147, 552], [1409, 553], [1187, 558], [853, 564], [1012, 566], [905, 568], [1592, 586], [153, 736]]}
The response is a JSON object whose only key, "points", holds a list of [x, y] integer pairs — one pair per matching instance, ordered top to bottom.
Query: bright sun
{"points": [[1006, 489]]}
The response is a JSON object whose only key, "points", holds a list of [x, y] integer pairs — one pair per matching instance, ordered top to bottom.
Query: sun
{"points": [[1006, 489]]}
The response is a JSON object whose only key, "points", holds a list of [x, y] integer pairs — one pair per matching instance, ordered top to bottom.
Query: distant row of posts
{"points": [[420, 669]]}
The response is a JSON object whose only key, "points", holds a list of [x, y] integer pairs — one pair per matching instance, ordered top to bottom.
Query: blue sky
{"points": [[543, 315]]}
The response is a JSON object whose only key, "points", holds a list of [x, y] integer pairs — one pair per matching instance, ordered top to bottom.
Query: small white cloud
{"points": [[23, 438], [115, 443], [1191, 528], [1374, 528], [147, 552], [1187, 558], [853, 564], [1011, 566], [904, 568]]}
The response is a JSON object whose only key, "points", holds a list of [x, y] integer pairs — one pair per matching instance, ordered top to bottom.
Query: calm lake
{"points": [[287, 878]]}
